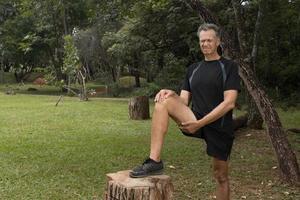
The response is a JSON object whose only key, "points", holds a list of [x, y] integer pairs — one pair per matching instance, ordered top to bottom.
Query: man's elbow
{"points": [[185, 101], [230, 105]]}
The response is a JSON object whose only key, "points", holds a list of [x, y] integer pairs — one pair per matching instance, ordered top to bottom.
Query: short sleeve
{"points": [[233, 79], [186, 83]]}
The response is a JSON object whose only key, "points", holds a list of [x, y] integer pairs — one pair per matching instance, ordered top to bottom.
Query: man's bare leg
{"points": [[171, 107], [220, 169]]}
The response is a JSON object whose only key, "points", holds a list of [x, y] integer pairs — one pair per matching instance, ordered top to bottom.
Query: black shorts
{"points": [[218, 142]]}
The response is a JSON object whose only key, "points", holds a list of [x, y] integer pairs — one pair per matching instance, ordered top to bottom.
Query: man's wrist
{"points": [[200, 123]]}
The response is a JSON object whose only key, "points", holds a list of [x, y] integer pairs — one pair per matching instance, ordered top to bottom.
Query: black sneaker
{"points": [[148, 168]]}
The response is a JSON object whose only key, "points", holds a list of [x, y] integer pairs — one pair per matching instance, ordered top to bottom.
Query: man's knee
{"points": [[166, 103]]}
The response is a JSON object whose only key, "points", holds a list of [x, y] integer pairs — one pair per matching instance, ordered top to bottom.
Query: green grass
{"points": [[290, 118], [64, 152]]}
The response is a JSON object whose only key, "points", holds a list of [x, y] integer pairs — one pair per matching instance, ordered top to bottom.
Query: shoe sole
{"points": [[148, 174]]}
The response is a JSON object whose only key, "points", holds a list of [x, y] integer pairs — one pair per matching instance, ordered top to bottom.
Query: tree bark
{"points": [[139, 108], [255, 120], [288, 166], [289, 169], [121, 187]]}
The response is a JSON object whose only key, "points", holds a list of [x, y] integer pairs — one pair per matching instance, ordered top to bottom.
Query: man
{"points": [[212, 86]]}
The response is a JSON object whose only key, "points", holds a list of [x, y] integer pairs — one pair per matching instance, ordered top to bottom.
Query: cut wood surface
{"points": [[121, 187]]}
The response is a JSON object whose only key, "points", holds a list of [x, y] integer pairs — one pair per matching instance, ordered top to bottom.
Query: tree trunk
{"points": [[240, 27], [135, 70], [113, 74], [1, 75], [137, 80], [69, 84], [83, 91], [139, 108], [255, 121], [288, 166], [289, 169], [121, 187]]}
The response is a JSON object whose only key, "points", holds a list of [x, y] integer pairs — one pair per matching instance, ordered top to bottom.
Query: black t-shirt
{"points": [[207, 81]]}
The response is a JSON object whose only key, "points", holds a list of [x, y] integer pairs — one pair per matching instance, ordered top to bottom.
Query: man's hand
{"points": [[162, 95], [190, 126]]}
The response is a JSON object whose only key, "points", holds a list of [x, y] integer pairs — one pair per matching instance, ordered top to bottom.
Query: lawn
{"points": [[64, 152]]}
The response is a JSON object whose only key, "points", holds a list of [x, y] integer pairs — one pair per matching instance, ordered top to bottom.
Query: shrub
{"points": [[150, 90]]}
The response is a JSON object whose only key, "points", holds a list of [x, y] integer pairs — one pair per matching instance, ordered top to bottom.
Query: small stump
{"points": [[139, 108], [121, 187]]}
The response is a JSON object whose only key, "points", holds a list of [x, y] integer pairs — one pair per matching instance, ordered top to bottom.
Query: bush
{"points": [[172, 74], [7, 77], [129, 81], [114, 89], [150, 90]]}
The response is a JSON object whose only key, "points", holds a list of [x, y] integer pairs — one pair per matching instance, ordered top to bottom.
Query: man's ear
{"points": [[218, 41]]}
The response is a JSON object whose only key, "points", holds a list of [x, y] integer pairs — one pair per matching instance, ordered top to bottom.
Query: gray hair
{"points": [[209, 26]]}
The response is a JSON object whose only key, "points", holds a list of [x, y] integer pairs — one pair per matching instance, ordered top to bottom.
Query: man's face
{"points": [[209, 42]]}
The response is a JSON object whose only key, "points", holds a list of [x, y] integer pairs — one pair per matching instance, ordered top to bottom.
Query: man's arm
{"points": [[228, 104]]}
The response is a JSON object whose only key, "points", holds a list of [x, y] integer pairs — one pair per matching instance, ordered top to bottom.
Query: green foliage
{"points": [[117, 38], [279, 48], [71, 62], [172, 75], [7, 78], [129, 82], [125, 87], [114, 89], [150, 90]]}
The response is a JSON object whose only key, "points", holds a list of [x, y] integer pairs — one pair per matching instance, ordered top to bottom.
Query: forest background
{"points": [[155, 40]]}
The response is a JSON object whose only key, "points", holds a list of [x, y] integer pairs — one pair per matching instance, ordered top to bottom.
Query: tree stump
{"points": [[139, 108], [121, 187]]}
